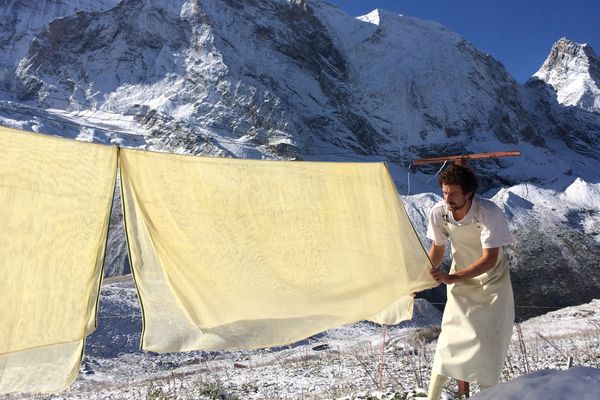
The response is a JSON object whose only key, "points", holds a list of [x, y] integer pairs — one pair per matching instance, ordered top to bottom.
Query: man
{"points": [[479, 314]]}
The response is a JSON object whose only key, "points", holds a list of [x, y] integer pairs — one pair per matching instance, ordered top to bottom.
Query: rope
{"points": [[437, 173], [408, 180], [382, 357]]}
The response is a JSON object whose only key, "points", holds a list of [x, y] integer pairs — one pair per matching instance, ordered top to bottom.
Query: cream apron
{"points": [[479, 315]]}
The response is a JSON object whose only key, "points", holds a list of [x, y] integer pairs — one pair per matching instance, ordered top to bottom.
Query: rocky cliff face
{"points": [[21, 20]]}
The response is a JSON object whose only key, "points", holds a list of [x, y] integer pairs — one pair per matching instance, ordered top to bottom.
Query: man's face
{"points": [[454, 197]]}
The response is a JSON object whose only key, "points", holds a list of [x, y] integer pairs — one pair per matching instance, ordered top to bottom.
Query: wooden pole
{"points": [[460, 159], [382, 358], [463, 389]]}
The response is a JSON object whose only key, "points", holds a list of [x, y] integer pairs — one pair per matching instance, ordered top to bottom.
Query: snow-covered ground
{"points": [[342, 363], [581, 383]]}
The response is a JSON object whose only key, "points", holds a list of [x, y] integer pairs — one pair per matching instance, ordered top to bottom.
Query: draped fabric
{"points": [[55, 200], [226, 254], [231, 254]]}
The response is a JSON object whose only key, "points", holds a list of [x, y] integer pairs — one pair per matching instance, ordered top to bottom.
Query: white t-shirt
{"points": [[494, 232]]}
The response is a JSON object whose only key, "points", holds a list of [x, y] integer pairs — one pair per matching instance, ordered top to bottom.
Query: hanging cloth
{"points": [[55, 196], [232, 254], [478, 318]]}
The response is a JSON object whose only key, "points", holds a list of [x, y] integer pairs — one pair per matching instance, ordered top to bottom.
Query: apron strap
{"points": [[477, 213], [446, 222]]}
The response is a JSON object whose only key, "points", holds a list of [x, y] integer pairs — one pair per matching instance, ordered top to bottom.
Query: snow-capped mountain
{"points": [[572, 70], [301, 79], [295, 81], [564, 97]]}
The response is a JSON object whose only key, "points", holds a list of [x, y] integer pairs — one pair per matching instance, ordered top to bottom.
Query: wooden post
{"points": [[463, 389]]}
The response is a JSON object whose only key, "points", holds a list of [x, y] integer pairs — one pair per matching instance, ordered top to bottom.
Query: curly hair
{"points": [[459, 175]]}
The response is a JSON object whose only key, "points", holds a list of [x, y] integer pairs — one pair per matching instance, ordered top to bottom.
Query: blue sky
{"points": [[518, 33]]}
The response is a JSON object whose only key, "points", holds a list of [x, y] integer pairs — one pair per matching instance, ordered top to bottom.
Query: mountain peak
{"points": [[378, 16], [564, 51], [573, 71]]}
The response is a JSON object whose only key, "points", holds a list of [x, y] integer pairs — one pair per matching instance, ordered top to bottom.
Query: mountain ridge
{"points": [[206, 83]]}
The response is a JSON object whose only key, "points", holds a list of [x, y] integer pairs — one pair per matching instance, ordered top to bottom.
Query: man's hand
{"points": [[441, 276]]}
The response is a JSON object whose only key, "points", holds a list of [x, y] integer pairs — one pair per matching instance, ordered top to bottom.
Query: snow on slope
{"points": [[305, 82], [296, 83], [412, 94], [563, 98], [583, 193], [577, 206], [566, 322]]}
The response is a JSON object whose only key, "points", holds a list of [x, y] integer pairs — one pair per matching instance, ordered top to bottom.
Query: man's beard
{"points": [[456, 207]]}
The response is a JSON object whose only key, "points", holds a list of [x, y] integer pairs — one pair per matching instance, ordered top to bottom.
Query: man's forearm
{"points": [[436, 254], [485, 263], [479, 267]]}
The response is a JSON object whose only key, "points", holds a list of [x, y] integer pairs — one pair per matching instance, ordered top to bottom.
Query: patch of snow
{"points": [[584, 194], [566, 322], [581, 383]]}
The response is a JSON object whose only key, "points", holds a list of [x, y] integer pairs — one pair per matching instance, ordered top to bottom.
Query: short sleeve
{"points": [[435, 230], [495, 231]]}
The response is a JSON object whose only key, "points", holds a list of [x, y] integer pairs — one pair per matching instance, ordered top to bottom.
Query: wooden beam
{"points": [[459, 159]]}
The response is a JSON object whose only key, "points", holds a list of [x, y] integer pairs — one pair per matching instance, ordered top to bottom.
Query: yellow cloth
{"points": [[55, 197], [226, 253], [243, 253], [41, 369]]}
